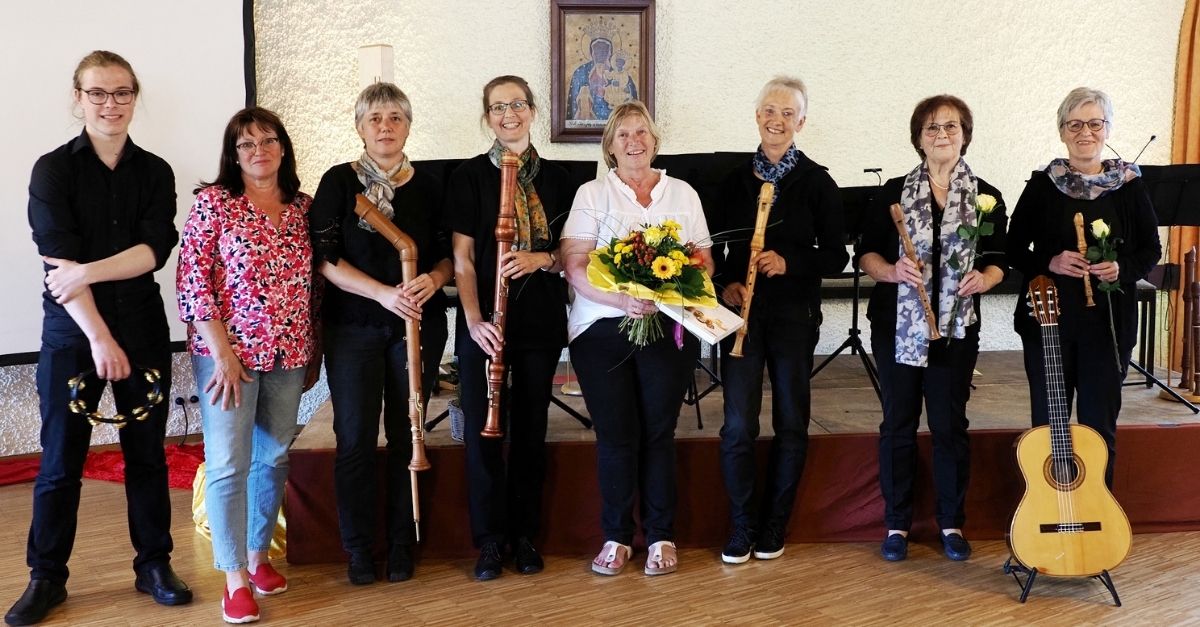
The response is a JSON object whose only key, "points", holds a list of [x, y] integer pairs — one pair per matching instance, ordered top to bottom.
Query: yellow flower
{"points": [[985, 203], [1100, 229], [653, 235], [620, 247], [678, 256], [617, 259], [664, 268]]}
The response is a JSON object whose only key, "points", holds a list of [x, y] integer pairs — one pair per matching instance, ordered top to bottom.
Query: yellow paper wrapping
{"points": [[601, 277], [278, 548]]}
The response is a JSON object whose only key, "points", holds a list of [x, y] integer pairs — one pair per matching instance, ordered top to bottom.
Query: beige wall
{"points": [[866, 64]]}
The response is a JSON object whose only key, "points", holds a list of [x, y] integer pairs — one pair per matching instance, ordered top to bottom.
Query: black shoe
{"points": [[770, 544], [956, 547], [894, 548], [737, 550], [526, 557], [490, 562], [400, 563], [361, 570], [160, 582], [39, 598]]}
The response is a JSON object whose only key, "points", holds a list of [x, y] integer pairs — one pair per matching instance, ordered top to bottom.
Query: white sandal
{"points": [[610, 553], [655, 559]]}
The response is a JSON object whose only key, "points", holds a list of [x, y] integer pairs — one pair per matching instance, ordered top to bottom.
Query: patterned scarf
{"points": [[773, 172], [1091, 186], [380, 187], [533, 233], [912, 341]]}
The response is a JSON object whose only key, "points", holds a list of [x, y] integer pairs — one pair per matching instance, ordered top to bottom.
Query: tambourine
{"points": [[142, 412]]}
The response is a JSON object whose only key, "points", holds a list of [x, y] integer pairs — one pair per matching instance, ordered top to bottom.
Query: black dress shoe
{"points": [[894, 547], [956, 547], [526, 557], [490, 562], [400, 563], [361, 570], [160, 582], [40, 597]]}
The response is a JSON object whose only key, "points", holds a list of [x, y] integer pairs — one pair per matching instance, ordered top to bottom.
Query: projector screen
{"points": [[189, 56]]}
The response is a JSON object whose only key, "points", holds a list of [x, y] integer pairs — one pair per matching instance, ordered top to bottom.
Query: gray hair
{"points": [[789, 84], [380, 94], [1081, 96]]}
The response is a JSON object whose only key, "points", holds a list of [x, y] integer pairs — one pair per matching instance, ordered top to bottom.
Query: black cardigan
{"points": [[1043, 226], [806, 227], [880, 237]]}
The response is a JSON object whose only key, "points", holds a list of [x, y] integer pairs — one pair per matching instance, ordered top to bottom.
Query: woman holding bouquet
{"points": [[957, 225], [805, 240], [1095, 355], [633, 392], [506, 497]]}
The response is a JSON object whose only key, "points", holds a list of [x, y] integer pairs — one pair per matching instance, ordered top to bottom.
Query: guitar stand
{"points": [[1015, 568]]}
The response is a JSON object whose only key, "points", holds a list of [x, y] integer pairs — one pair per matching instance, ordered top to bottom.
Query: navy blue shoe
{"points": [[894, 547], [956, 547]]}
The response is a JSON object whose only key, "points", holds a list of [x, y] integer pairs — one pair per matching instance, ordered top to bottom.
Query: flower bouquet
{"points": [[651, 263]]}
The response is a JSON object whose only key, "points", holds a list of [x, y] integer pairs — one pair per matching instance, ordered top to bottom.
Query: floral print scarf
{"points": [[773, 172], [380, 186], [1091, 186], [533, 232], [912, 332]]}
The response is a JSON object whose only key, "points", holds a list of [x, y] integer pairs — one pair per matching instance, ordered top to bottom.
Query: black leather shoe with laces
{"points": [[737, 549], [526, 557], [490, 562]]}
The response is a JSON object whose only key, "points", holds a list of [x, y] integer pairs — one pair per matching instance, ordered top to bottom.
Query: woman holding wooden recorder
{"points": [[802, 241], [943, 276], [367, 311], [505, 497]]}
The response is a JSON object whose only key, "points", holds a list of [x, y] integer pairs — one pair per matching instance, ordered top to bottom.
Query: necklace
{"points": [[938, 185]]}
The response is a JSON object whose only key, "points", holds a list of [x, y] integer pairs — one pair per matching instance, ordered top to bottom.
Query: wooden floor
{"points": [[819, 584]]}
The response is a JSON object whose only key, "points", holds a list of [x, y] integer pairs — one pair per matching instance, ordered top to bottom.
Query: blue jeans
{"points": [[246, 459]]}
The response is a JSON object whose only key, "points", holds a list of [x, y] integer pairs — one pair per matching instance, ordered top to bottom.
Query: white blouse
{"points": [[607, 208]]}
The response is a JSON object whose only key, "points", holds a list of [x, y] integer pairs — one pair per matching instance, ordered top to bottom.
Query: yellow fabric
{"points": [[1185, 148], [601, 277], [278, 549]]}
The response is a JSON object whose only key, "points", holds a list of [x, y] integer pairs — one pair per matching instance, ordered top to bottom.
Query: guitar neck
{"points": [[1061, 447]]}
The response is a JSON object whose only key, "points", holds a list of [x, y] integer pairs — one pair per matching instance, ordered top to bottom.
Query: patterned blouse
{"points": [[237, 267]]}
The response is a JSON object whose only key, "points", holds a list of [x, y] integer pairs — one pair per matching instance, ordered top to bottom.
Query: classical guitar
{"points": [[1068, 524]]}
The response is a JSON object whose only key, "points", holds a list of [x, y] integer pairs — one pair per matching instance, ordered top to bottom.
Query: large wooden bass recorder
{"points": [[766, 196], [506, 234], [412, 329]]}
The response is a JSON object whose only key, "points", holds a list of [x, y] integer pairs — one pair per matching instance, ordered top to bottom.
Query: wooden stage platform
{"points": [[838, 495]]}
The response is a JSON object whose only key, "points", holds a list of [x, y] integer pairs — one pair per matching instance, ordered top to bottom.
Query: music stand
{"points": [[1175, 194], [855, 201]]}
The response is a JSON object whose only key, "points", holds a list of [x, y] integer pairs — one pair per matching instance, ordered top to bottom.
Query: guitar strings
{"points": [[1061, 447]]}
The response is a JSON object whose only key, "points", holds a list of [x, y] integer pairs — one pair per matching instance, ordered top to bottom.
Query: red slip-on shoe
{"points": [[267, 581], [239, 608]]}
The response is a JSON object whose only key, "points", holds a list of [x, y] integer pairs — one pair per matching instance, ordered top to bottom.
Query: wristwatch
{"points": [[553, 260]]}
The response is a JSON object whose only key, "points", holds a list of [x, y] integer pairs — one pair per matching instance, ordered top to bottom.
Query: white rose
{"points": [[1100, 229]]}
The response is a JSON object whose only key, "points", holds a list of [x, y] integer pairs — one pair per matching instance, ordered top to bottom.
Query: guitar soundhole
{"points": [[1064, 476]]}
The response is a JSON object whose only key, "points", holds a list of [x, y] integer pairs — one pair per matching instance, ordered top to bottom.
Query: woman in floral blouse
{"points": [[245, 288]]}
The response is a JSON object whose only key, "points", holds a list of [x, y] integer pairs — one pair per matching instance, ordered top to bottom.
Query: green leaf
{"points": [[986, 229], [964, 232], [1093, 254], [1110, 255]]}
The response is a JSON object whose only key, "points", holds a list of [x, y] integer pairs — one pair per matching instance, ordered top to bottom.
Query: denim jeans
{"points": [[246, 459]]}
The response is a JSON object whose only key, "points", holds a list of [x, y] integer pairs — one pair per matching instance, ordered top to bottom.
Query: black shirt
{"points": [[82, 210], [805, 227], [336, 235], [880, 237], [536, 302]]}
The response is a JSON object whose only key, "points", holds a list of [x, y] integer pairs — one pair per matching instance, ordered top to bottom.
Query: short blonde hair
{"points": [[785, 83], [622, 111]]}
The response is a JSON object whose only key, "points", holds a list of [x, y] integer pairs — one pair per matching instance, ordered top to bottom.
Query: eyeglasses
{"points": [[99, 96], [498, 108], [1095, 125], [951, 128], [267, 143]]}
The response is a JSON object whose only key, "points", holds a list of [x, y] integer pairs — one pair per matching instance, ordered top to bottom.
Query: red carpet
{"points": [[182, 461]]}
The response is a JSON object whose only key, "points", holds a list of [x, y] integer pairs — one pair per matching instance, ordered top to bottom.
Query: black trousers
{"points": [[782, 340], [361, 361], [1092, 383], [944, 387], [634, 396], [65, 438], [505, 496]]}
